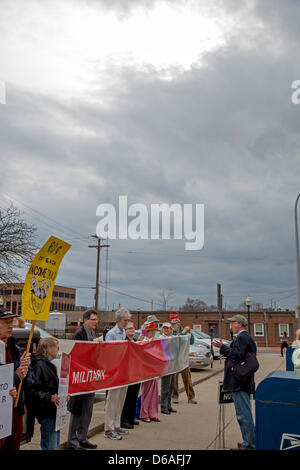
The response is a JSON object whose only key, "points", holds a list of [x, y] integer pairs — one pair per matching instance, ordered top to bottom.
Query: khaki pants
{"points": [[184, 374], [113, 409]]}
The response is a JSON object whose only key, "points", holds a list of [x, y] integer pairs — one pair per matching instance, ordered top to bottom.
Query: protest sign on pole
{"points": [[40, 280], [39, 285], [63, 387], [6, 401]]}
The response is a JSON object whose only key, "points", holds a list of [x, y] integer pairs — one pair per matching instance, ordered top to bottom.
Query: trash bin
{"points": [[277, 412]]}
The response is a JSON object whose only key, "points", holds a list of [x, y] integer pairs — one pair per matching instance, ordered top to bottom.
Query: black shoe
{"points": [[172, 410], [166, 412], [135, 422], [127, 426], [88, 445], [73, 448]]}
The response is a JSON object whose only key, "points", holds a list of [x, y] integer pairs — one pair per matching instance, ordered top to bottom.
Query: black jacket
{"points": [[80, 334], [236, 353], [28, 380], [45, 385], [75, 405]]}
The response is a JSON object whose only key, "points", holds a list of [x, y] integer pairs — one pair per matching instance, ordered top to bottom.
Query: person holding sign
{"points": [[22, 371], [44, 395]]}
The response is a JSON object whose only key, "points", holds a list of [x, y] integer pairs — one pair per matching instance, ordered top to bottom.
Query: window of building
{"points": [[17, 291], [55, 294], [61, 294], [67, 295], [72, 296], [8, 305], [14, 307], [20, 308], [197, 327], [283, 327], [259, 329]]}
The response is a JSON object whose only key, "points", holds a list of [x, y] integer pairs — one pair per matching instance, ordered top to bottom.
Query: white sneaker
{"points": [[175, 400], [192, 400], [121, 431], [112, 435]]}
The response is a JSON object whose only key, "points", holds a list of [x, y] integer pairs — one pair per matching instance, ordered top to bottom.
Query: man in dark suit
{"points": [[241, 389], [81, 406]]}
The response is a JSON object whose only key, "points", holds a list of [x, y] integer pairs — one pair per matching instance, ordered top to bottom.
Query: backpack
{"points": [[245, 369]]}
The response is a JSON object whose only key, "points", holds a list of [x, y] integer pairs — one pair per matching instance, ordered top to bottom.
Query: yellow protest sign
{"points": [[40, 279]]}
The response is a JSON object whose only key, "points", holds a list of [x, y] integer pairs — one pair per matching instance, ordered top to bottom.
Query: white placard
{"points": [[2, 353], [63, 387], [6, 401]]}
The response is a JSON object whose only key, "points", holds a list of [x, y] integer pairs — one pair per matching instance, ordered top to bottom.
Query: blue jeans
{"points": [[244, 416], [49, 437]]}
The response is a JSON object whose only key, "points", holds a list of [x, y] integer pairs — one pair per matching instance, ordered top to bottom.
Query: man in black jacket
{"points": [[241, 389], [81, 406]]}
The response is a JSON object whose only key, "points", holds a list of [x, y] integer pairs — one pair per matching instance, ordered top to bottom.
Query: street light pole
{"points": [[297, 254], [248, 303], [138, 312]]}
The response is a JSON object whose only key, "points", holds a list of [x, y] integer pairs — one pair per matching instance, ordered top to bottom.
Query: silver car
{"points": [[199, 337], [200, 356]]}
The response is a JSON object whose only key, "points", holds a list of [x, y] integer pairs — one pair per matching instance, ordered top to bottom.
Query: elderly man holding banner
{"points": [[186, 373], [116, 397]]}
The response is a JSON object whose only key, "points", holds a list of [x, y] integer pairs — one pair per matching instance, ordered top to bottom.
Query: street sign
{"points": [[224, 397]]}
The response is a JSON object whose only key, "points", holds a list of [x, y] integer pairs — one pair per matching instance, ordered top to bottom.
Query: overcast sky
{"points": [[184, 102]]}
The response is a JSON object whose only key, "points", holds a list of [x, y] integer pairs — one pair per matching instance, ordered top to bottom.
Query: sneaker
{"points": [[175, 400], [192, 400], [121, 431], [112, 435]]}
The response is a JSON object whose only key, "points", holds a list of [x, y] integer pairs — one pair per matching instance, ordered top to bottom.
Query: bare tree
{"points": [[17, 245], [165, 295]]}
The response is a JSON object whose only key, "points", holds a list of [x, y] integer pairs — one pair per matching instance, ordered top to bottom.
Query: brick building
{"points": [[63, 298], [267, 327]]}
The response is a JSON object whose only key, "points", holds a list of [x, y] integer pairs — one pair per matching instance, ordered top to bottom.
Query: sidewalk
{"points": [[192, 427]]}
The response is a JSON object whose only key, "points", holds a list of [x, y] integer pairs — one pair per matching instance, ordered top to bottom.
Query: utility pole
{"points": [[98, 246], [220, 301]]}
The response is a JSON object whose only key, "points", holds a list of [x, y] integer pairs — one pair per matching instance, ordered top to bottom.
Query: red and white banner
{"points": [[112, 365]]}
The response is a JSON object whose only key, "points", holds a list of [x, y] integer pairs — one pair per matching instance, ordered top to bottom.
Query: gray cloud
{"points": [[224, 134]]}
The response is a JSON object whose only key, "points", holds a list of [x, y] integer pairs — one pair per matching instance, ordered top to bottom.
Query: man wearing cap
{"points": [[22, 371], [186, 373], [167, 381], [242, 389]]}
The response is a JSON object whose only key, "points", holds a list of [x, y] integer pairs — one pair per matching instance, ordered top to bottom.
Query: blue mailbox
{"points": [[288, 358], [277, 412]]}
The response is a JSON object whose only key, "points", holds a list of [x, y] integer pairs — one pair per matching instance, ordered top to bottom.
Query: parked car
{"points": [[43, 333], [204, 337], [200, 356]]}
